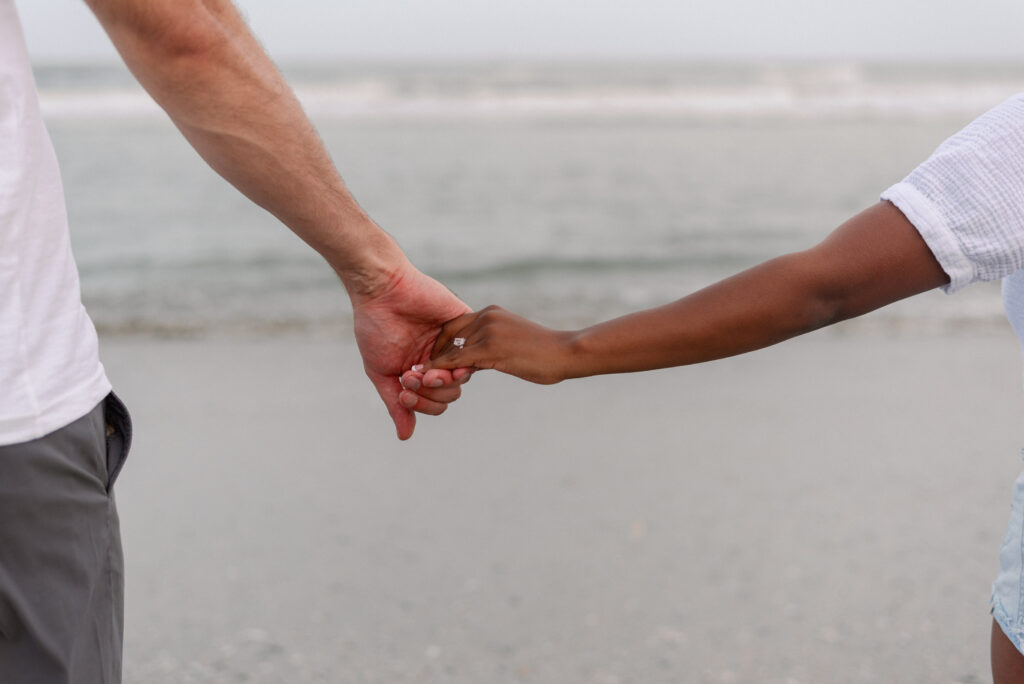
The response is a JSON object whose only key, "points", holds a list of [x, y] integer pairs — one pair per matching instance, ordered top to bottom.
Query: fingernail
{"points": [[418, 368], [436, 382]]}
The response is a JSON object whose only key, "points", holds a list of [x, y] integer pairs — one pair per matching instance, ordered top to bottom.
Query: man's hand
{"points": [[199, 61], [396, 329]]}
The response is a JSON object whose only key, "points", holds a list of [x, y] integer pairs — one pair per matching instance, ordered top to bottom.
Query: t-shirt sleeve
{"points": [[967, 199]]}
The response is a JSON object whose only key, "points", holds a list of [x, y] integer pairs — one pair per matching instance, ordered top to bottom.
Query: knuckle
{"points": [[491, 313]]}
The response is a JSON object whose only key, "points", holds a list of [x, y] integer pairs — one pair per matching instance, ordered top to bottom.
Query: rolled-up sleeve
{"points": [[967, 199]]}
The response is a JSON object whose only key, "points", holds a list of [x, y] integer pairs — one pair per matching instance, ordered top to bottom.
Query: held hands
{"points": [[396, 328], [494, 338]]}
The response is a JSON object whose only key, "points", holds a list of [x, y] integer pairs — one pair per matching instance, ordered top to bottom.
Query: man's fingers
{"points": [[437, 378], [412, 380], [389, 390], [445, 395], [414, 402], [405, 421]]}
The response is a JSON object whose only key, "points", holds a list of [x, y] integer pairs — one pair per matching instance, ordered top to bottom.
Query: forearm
{"points": [[200, 62], [875, 258], [756, 308]]}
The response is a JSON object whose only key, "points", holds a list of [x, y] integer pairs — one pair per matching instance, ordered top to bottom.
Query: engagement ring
{"points": [[459, 342]]}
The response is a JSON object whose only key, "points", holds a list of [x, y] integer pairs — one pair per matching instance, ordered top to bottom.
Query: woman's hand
{"points": [[494, 338]]}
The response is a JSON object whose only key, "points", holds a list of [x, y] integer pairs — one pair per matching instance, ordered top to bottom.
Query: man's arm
{"points": [[200, 62], [874, 259]]}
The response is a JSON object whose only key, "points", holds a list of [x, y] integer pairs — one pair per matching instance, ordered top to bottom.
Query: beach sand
{"points": [[829, 510]]}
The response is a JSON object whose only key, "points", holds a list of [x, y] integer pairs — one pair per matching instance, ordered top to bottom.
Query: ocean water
{"points": [[570, 192]]}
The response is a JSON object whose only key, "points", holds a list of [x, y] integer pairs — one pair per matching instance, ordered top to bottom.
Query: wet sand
{"points": [[830, 510]]}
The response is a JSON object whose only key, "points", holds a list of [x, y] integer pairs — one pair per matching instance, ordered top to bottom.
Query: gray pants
{"points": [[61, 568]]}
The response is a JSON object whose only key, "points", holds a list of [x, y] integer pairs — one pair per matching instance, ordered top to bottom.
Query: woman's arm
{"points": [[874, 259]]}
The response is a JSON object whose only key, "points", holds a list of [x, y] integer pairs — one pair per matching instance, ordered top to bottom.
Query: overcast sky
{"points": [[915, 29]]}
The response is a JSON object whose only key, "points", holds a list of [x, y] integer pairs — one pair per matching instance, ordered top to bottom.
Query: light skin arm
{"points": [[202, 65], [874, 259]]}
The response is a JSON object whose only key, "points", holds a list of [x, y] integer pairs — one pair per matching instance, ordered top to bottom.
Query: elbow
{"points": [[161, 33], [189, 41], [175, 49], [821, 296], [820, 311], [823, 312]]}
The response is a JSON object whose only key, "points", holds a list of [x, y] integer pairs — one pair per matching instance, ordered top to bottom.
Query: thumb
{"points": [[389, 388]]}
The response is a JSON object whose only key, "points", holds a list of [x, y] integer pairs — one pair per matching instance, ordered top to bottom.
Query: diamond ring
{"points": [[459, 342]]}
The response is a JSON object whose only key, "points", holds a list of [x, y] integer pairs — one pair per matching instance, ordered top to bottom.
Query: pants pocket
{"points": [[119, 436]]}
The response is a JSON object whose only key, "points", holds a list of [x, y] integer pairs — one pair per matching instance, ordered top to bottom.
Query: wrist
{"points": [[366, 259], [575, 355]]}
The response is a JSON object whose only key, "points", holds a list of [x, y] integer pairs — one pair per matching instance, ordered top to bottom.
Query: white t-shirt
{"points": [[967, 201], [50, 372]]}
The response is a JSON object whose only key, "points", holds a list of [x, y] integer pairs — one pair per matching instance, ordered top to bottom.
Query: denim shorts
{"points": [[1008, 589]]}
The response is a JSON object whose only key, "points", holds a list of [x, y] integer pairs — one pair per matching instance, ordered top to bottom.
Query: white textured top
{"points": [[967, 199], [50, 372]]}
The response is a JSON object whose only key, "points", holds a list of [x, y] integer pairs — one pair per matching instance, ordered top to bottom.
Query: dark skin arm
{"points": [[875, 258]]}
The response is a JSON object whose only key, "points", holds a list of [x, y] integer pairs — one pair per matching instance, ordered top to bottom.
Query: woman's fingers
{"points": [[457, 327], [469, 330], [500, 340], [469, 354], [429, 388]]}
